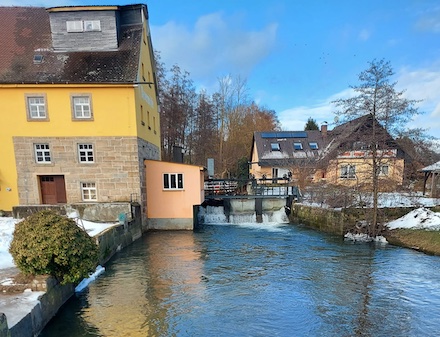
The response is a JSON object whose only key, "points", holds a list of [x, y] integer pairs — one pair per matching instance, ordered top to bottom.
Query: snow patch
{"points": [[420, 218], [92, 277]]}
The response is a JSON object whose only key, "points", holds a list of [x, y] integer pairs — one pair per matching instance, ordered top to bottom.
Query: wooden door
{"points": [[53, 190]]}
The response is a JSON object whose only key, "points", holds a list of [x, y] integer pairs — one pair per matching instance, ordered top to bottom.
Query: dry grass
{"points": [[423, 240]]}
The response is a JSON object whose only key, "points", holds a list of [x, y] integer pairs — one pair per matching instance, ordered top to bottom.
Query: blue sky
{"points": [[297, 56]]}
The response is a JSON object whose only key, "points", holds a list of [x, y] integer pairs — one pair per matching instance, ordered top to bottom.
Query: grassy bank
{"points": [[425, 241]]}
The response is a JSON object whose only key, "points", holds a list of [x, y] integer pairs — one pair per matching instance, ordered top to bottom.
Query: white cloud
{"points": [[429, 23], [364, 35], [216, 45], [419, 84], [423, 84], [295, 118]]}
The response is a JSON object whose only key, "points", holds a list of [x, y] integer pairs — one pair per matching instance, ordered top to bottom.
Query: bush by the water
{"points": [[48, 243]]}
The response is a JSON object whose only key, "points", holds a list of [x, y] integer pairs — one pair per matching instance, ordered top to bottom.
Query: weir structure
{"points": [[251, 195]]}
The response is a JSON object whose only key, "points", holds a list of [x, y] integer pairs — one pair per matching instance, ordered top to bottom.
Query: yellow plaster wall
{"points": [[146, 94], [114, 111], [364, 171], [172, 204]]}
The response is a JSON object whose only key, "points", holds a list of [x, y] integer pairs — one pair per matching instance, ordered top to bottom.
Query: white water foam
{"points": [[272, 221]]}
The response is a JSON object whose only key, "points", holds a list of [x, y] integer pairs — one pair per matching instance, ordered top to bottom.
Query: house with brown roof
{"points": [[79, 105], [342, 156]]}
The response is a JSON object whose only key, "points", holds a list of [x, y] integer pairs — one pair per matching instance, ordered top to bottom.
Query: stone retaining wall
{"points": [[339, 221], [110, 241]]}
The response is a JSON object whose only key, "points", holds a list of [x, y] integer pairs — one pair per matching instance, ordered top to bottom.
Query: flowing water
{"points": [[249, 279]]}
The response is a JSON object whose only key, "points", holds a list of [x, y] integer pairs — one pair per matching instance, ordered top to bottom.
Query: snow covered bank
{"points": [[420, 218], [7, 226]]}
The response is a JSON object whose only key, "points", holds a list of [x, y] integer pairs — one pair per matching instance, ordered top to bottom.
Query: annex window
{"points": [[74, 26], [92, 26], [36, 106], [81, 106], [142, 115], [313, 145], [275, 146], [297, 146], [42, 153], [85, 153], [383, 170], [348, 172], [173, 181], [88, 191]]}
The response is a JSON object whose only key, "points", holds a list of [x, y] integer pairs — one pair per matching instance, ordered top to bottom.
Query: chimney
{"points": [[324, 130]]}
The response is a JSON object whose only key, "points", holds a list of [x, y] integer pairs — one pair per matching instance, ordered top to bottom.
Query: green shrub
{"points": [[48, 243]]}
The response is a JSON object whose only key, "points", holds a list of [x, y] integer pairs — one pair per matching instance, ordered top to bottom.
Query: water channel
{"points": [[249, 279]]}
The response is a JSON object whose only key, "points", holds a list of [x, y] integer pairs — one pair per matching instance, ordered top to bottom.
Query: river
{"points": [[252, 279]]}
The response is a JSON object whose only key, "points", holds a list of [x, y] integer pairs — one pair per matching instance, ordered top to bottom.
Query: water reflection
{"points": [[261, 280]]}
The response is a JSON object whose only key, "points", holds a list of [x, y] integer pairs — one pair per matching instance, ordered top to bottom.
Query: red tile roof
{"points": [[26, 33]]}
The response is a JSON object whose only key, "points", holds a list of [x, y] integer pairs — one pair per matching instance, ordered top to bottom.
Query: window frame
{"points": [[95, 25], [72, 26], [74, 104], [29, 105], [314, 145], [275, 146], [298, 146], [86, 153], [42, 154], [381, 170], [350, 171], [168, 181], [89, 193]]}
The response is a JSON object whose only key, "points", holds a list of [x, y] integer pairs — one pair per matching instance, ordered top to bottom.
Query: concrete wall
{"points": [[98, 212], [170, 224]]}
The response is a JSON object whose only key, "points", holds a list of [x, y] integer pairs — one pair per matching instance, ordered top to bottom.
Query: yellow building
{"points": [[79, 104]]}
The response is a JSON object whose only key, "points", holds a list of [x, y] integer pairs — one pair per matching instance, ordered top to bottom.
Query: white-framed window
{"points": [[74, 26], [92, 26], [36, 106], [82, 107], [313, 145], [275, 146], [297, 146], [42, 153], [86, 153], [383, 170], [348, 172], [173, 181], [88, 192]]}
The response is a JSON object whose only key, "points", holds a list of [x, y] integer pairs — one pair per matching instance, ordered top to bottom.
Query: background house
{"points": [[79, 104], [278, 154], [340, 156], [173, 190]]}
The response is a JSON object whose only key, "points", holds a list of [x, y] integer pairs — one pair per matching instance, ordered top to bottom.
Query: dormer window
{"points": [[74, 26], [80, 26], [92, 26], [38, 59], [313, 145], [275, 146], [297, 146]]}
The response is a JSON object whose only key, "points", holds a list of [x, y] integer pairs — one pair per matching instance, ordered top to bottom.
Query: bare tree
{"points": [[390, 110]]}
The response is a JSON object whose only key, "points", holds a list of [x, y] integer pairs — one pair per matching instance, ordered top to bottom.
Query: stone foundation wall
{"points": [[339, 221], [110, 241]]}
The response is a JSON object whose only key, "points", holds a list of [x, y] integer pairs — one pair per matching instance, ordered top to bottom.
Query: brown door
{"points": [[53, 190]]}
